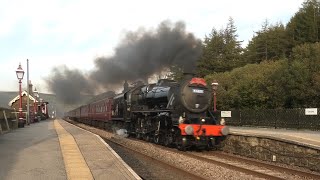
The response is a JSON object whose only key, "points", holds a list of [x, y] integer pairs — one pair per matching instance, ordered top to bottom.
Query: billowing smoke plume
{"points": [[143, 54], [140, 55], [68, 84]]}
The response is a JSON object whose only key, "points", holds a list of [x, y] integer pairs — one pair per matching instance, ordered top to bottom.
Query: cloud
{"points": [[83, 19], [75, 32], [140, 55]]}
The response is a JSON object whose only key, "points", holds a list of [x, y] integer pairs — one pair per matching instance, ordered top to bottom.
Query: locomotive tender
{"points": [[167, 112]]}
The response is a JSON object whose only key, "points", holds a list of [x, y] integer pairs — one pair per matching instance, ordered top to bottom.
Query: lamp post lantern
{"points": [[20, 74], [214, 85]]}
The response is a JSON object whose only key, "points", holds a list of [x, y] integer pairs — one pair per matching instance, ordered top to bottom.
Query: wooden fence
{"points": [[8, 119]]}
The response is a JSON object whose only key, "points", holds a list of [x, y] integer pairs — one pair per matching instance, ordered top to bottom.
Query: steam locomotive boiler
{"points": [[171, 113]]}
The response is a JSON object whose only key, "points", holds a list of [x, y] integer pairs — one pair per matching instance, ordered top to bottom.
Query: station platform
{"points": [[300, 137], [55, 149]]}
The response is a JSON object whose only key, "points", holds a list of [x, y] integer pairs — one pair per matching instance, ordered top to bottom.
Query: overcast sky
{"points": [[74, 32]]}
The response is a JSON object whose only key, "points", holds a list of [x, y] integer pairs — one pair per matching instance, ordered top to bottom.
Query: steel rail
{"points": [[159, 162], [267, 165]]}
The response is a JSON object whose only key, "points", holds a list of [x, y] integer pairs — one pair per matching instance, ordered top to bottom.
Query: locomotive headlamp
{"points": [[181, 120], [222, 121], [189, 130], [225, 131]]}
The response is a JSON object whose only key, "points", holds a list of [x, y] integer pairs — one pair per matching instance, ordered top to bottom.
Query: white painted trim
{"points": [[18, 97]]}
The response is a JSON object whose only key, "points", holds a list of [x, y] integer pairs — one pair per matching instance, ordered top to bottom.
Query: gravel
{"points": [[146, 168], [203, 169]]}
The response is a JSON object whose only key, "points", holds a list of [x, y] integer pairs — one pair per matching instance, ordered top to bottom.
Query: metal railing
{"points": [[276, 118]]}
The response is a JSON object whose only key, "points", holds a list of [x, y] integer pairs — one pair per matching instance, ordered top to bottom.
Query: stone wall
{"points": [[273, 150]]}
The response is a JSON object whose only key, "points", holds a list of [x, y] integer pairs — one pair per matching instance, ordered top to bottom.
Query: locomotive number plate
{"points": [[199, 91]]}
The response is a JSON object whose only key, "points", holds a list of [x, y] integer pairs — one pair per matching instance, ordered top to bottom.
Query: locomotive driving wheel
{"points": [[138, 136], [146, 137], [156, 139], [168, 140], [180, 143], [210, 144]]}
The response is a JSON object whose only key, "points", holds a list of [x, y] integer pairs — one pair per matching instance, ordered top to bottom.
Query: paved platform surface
{"points": [[300, 137], [58, 150], [32, 152], [103, 162]]}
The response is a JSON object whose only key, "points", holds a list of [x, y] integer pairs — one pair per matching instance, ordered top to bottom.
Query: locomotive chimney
{"points": [[188, 75]]}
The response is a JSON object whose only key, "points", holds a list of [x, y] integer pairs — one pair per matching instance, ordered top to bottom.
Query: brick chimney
{"points": [[125, 86], [30, 88]]}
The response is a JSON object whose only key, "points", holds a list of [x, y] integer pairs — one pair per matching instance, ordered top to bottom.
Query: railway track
{"points": [[267, 165], [249, 166], [168, 167], [252, 167]]}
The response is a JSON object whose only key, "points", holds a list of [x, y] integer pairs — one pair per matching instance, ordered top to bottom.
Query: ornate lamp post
{"points": [[20, 74], [214, 85]]}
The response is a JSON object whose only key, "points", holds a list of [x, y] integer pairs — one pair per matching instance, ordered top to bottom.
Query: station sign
{"points": [[311, 111], [225, 113]]}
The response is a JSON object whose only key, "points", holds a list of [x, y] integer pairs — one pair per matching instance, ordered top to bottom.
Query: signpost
{"points": [[311, 111], [225, 113]]}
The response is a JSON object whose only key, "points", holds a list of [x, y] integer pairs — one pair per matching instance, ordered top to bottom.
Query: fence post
{"points": [[299, 117], [5, 118], [240, 118], [275, 119], [15, 122]]}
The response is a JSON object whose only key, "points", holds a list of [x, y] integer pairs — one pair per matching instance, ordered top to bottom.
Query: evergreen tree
{"points": [[304, 26], [270, 43], [233, 47], [221, 51], [211, 60]]}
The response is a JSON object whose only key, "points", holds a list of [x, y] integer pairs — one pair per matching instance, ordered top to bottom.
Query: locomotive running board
{"points": [[148, 111], [117, 119]]}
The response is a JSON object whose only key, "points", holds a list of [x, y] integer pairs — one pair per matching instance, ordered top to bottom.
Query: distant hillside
{"points": [[54, 104]]}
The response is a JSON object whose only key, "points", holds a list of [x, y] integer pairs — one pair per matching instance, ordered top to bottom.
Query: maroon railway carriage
{"points": [[99, 112], [96, 113]]}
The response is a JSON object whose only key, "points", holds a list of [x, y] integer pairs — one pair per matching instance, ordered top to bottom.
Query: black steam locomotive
{"points": [[168, 112], [171, 113]]}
